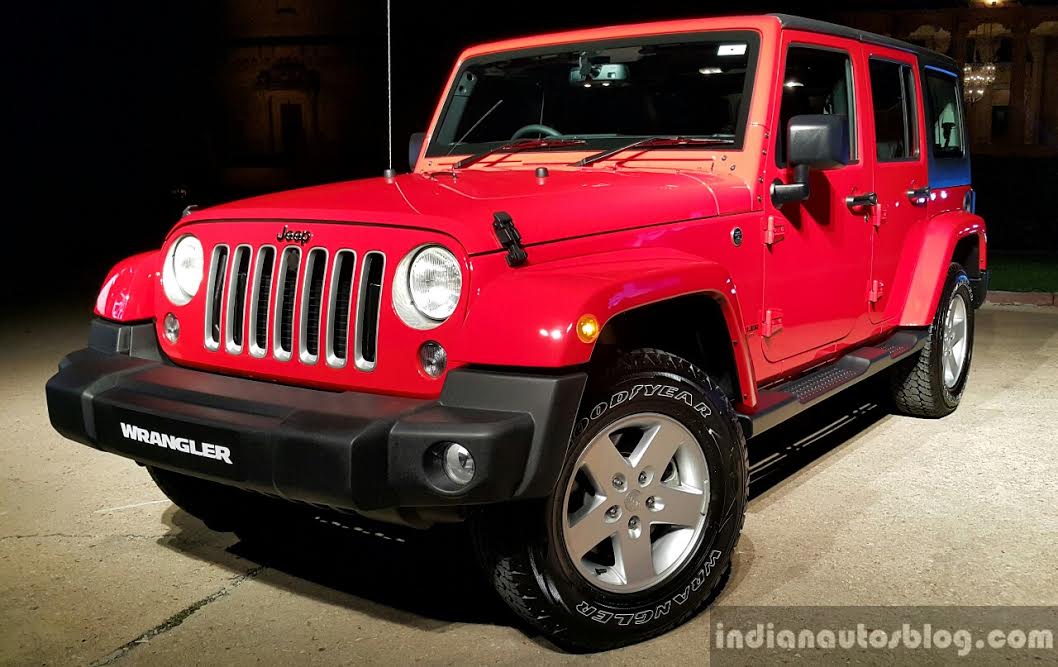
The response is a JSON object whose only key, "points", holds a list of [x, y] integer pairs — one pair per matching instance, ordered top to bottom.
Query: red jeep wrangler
{"points": [[620, 254]]}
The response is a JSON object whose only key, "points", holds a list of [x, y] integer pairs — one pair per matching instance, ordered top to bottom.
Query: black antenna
{"points": [[389, 172]]}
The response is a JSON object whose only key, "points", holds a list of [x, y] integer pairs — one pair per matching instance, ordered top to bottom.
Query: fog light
{"points": [[171, 327], [433, 359], [458, 464]]}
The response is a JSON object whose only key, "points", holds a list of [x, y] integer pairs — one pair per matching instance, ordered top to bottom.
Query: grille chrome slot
{"points": [[218, 269], [286, 293], [259, 301], [369, 302], [294, 303], [311, 306], [339, 308], [235, 317]]}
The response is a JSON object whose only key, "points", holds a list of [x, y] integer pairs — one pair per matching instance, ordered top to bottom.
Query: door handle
{"points": [[918, 196], [862, 201]]}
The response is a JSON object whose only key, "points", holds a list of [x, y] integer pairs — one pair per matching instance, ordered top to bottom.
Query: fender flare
{"points": [[926, 270], [127, 294], [533, 311]]}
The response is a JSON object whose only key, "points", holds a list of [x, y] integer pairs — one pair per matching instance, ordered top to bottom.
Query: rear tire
{"points": [[931, 384], [680, 493]]}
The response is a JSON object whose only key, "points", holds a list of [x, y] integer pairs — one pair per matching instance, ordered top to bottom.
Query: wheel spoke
{"points": [[957, 335], [949, 368], [658, 446], [602, 461], [639, 494], [681, 506], [588, 529], [635, 556]]}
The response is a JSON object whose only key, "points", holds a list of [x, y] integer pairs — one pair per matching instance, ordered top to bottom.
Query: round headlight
{"points": [[183, 269], [435, 282]]}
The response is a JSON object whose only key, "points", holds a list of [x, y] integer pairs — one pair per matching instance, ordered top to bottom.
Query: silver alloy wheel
{"points": [[956, 341], [631, 520]]}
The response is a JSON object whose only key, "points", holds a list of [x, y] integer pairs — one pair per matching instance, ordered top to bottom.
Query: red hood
{"points": [[567, 203]]}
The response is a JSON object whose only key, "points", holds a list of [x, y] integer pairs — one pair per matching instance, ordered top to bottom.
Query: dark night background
{"points": [[120, 106]]}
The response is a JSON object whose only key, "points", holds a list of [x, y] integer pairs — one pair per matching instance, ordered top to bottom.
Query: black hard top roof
{"points": [[925, 56]]}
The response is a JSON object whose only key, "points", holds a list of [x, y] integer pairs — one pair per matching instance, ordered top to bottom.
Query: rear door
{"points": [[900, 173], [817, 253]]}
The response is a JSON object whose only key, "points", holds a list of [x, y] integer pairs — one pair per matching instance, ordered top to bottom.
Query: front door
{"points": [[899, 167], [817, 257]]}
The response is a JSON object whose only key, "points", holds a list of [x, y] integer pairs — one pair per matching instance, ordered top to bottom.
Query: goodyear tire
{"points": [[931, 384], [639, 532]]}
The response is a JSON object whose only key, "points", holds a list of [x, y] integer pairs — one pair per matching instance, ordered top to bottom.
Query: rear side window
{"points": [[816, 81], [945, 115], [895, 125]]}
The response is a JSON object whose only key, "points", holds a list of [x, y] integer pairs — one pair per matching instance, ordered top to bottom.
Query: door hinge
{"points": [[880, 212], [773, 233], [877, 290], [772, 322]]}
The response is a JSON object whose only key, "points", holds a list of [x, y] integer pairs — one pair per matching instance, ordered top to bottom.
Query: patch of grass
{"points": [[1016, 273]]}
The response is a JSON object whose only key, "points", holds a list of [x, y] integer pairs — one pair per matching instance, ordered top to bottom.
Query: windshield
{"points": [[604, 93]]}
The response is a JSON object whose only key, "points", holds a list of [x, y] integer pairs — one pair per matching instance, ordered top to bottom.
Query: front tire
{"points": [[931, 384], [640, 529]]}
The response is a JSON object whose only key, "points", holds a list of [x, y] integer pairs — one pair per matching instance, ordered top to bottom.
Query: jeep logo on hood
{"points": [[291, 236]]}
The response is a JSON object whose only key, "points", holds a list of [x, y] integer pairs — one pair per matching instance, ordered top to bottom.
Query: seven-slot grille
{"points": [[252, 304]]}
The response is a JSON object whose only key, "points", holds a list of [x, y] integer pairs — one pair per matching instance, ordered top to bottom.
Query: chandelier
{"points": [[979, 74], [977, 78]]}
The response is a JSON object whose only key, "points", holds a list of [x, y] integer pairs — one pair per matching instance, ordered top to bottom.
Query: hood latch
{"points": [[509, 238]]}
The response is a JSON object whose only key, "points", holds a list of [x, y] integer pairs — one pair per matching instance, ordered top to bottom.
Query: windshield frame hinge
{"points": [[773, 232], [508, 236]]}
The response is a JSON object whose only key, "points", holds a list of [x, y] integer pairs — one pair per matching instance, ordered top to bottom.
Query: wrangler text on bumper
{"points": [[342, 449]]}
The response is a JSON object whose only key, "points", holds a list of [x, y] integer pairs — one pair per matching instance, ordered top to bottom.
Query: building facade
{"points": [[289, 92], [1017, 113]]}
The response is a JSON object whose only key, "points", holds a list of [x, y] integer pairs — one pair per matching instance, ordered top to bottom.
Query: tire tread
{"points": [[913, 387], [510, 568]]}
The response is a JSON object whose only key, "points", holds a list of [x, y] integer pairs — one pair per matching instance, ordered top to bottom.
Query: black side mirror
{"points": [[814, 141], [414, 148]]}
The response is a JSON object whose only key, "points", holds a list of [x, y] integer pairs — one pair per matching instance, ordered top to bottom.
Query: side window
{"points": [[816, 81], [945, 116], [895, 122]]}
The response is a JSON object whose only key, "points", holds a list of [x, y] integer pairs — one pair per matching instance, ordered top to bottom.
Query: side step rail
{"points": [[784, 400]]}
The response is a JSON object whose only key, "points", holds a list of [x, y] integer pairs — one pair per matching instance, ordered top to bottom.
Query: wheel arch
{"points": [[956, 236], [967, 252], [622, 290], [127, 294], [703, 337]]}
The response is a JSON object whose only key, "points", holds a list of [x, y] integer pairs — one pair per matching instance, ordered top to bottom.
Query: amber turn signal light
{"points": [[587, 328]]}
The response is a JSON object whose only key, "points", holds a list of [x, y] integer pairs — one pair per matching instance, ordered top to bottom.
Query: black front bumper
{"points": [[341, 449]]}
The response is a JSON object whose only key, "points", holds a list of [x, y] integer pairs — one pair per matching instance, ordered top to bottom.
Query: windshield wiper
{"points": [[654, 142], [515, 146]]}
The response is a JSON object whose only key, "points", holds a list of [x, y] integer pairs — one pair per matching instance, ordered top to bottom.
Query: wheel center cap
{"points": [[632, 501]]}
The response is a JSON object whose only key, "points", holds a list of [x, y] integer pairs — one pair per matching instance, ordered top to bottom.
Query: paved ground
{"points": [[96, 567]]}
